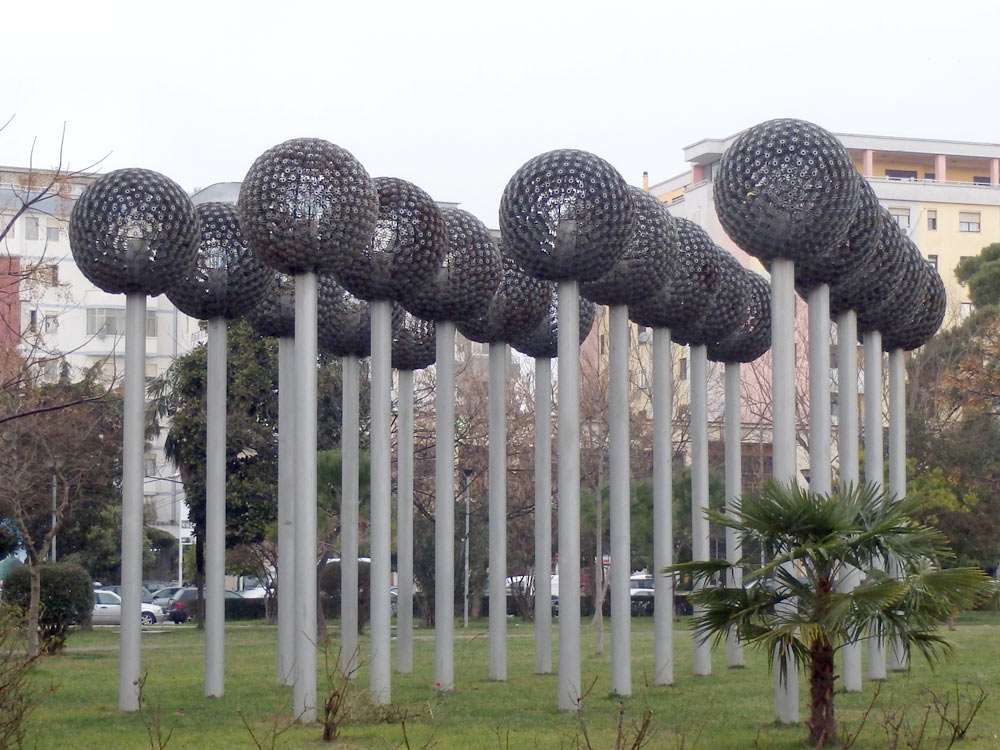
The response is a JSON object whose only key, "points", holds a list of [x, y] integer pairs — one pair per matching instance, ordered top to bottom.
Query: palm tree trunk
{"points": [[822, 722]]}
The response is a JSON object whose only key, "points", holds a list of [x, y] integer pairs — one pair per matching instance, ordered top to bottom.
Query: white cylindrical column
{"points": [[820, 421], [133, 441], [847, 448], [618, 459], [873, 464], [897, 469], [699, 485], [734, 490], [569, 495], [444, 509], [215, 510], [286, 510], [349, 510], [498, 510], [543, 515], [663, 522], [404, 525], [380, 677], [786, 677], [304, 689]]}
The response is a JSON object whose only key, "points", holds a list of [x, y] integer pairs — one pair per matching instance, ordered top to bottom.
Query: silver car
{"points": [[108, 610]]}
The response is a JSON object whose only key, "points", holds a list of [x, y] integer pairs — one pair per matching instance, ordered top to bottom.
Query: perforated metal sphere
{"points": [[786, 189], [574, 193], [303, 203], [133, 231], [405, 250], [852, 255], [648, 260], [697, 274], [467, 277], [224, 279], [864, 289], [900, 290], [520, 303], [726, 311], [274, 313], [925, 318], [344, 322], [753, 337], [542, 342], [413, 345]]}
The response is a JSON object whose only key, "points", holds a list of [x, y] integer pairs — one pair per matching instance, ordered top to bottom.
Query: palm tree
{"points": [[792, 604]]}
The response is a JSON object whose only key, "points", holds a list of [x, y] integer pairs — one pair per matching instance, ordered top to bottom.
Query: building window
{"points": [[901, 174], [929, 176], [979, 180], [901, 216], [932, 219], [968, 222], [31, 228], [52, 234], [933, 260], [965, 310], [33, 320], [110, 321], [50, 323], [684, 368]]}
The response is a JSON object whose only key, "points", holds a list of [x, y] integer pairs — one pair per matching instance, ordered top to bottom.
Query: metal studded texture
{"points": [[786, 189], [304, 203], [566, 215], [133, 231], [405, 251], [850, 256], [648, 260], [697, 275], [467, 277], [224, 279], [864, 289], [901, 290], [520, 303], [726, 311], [274, 313], [926, 316], [344, 322], [753, 337], [543, 341], [413, 345]]}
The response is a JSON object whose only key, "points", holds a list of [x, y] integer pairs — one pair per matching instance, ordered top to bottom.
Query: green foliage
{"points": [[981, 273], [10, 540], [329, 589], [67, 598], [20, 691]]}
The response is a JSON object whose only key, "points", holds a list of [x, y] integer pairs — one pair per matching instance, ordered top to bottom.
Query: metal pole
{"points": [[133, 440], [847, 448], [820, 454], [618, 459], [873, 465], [897, 469], [699, 485], [734, 490], [569, 495], [349, 505], [381, 505], [55, 508], [286, 510], [444, 510], [498, 510], [215, 511], [543, 515], [663, 523], [404, 525], [465, 551], [786, 678], [304, 688]]}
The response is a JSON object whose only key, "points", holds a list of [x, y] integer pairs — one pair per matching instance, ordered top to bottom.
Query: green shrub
{"points": [[329, 589], [67, 598]]}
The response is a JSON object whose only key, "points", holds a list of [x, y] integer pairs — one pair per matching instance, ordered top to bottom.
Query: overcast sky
{"points": [[455, 96]]}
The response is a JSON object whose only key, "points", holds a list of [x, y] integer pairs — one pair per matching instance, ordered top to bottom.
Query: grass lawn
{"points": [[729, 709]]}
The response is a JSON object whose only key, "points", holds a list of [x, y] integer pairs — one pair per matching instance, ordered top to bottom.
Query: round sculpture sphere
{"points": [[786, 189], [305, 203], [566, 215], [133, 231], [405, 250], [648, 260], [697, 274], [467, 277], [224, 278], [864, 288], [900, 289], [519, 304], [726, 311], [274, 313], [925, 318], [344, 322], [753, 337], [543, 341], [413, 345]]}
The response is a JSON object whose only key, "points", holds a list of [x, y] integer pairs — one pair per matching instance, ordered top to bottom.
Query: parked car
{"points": [[146, 594], [162, 597], [179, 609], [108, 610]]}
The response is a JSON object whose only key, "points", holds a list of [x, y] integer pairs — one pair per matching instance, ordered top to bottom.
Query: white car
{"points": [[108, 610]]}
